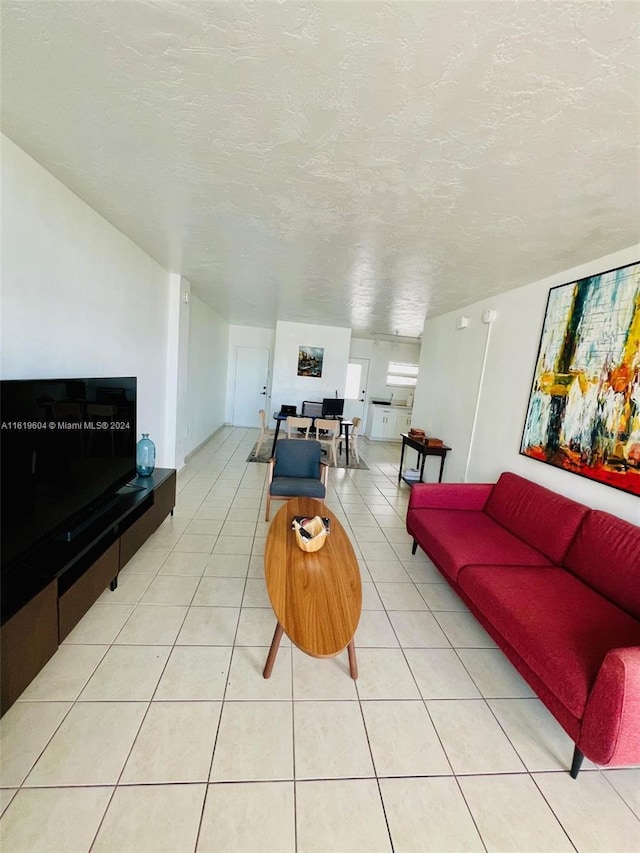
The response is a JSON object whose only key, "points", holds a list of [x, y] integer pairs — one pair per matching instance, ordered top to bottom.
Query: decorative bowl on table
{"points": [[313, 535]]}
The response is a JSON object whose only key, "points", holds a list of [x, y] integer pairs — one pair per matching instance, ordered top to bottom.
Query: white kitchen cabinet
{"points": [[404, 420], [388, 422], [383, 424]]}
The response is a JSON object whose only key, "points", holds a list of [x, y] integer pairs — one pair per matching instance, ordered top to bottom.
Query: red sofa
{"points": [[557, 586]]}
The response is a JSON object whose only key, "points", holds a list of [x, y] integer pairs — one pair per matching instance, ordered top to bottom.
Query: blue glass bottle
{"points": [[145, 456]]}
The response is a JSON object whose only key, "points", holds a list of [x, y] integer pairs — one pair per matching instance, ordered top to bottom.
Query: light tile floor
{"points": [[152, 728]]}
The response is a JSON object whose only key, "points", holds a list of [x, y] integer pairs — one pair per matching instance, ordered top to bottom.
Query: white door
{"points": [[355, 389], [251, 391]]}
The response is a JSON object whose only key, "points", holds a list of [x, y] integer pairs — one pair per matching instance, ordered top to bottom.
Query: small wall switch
{"points": [[185, 297], [488, 316], [462, 323]]}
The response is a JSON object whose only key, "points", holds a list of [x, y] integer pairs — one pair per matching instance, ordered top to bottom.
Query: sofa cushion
{"points": [[452, 496], [545, 520], [454, 539], [606, 555], [560, 626]]}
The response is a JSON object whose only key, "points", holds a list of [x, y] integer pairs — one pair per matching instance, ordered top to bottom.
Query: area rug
{"points": [[265, 456]]}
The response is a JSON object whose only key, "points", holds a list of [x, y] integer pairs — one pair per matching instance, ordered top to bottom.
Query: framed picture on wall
{"points": [[310, 361], [584, 406]]}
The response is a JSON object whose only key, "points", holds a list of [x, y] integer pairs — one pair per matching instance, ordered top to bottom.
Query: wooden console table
{"points": [[423, 449]]}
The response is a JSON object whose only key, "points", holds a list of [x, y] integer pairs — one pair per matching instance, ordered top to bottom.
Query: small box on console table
{"points": [[420, 435]]}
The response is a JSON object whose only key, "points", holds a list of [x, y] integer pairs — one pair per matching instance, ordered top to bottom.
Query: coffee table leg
{"points": [[273, 651], [353, 664]]}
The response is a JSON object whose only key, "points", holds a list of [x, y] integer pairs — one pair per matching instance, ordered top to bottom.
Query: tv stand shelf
{"points": [[46, 595]]}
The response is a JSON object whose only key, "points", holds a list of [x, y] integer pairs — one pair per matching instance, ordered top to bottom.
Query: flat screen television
{"points": [[332, 407], [66, 447]]}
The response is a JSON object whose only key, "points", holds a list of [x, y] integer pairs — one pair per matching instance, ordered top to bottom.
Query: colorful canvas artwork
{"points": [[310, 361], [584, 408]]}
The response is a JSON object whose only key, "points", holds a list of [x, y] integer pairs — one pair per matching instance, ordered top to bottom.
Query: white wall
{"points": [[78, 297], [247, 336], [379, 355], [179, 363], [206, 373], [287, 386], [448, 389], [445, 397]]}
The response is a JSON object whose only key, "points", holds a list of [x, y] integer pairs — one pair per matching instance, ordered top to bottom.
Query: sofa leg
{"points": [[414, 547], [576, 764]]}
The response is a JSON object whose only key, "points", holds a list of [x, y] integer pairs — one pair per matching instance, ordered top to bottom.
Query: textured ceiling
{"points": [[357, 163]]}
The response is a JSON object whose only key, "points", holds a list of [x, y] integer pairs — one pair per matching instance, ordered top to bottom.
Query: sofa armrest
{"points": [[449, 495], [610, 732]]}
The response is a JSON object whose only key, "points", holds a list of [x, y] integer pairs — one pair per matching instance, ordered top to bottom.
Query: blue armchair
{"points": [[296, 472]]}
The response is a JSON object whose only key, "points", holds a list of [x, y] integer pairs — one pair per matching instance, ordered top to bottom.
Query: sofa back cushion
{"points": [[541, 518], [606, 555]]}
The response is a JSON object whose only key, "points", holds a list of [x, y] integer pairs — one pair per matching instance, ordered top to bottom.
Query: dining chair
{"points": [[311, 409], [302, 424], [264, 432], [327, 432], [353, 438], [296, 471]]}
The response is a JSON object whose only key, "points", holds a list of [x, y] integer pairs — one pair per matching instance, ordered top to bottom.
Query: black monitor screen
{"points": [[332, 406], [65, 444]]}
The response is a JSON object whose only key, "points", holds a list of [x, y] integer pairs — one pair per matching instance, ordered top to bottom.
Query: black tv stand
{"points": [[135, 487], [91, 519], [45, 596]]}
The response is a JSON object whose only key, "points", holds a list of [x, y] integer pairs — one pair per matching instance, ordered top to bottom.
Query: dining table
{"points": [[278, 417], [345, 426]]}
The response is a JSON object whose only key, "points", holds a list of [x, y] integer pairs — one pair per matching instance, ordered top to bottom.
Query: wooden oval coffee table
{"points": [[316, 597]]}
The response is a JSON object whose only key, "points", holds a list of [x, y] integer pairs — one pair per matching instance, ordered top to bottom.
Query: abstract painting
{"points": [[310, 361], [584, 408]]}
